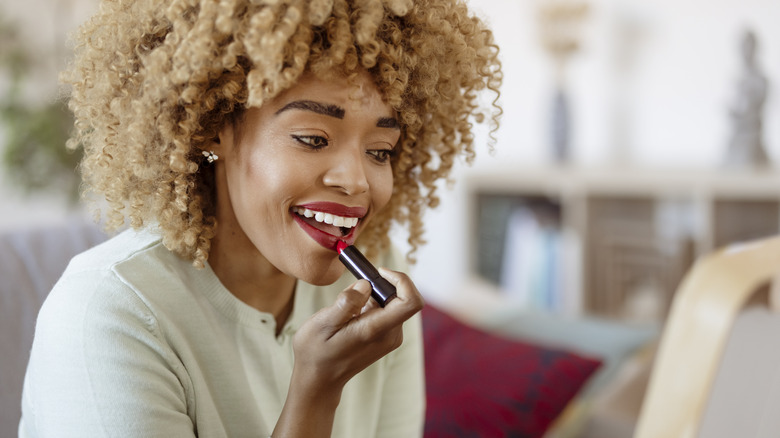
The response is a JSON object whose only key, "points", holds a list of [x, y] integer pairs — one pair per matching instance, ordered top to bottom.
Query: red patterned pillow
{"points": [[483, 385]]}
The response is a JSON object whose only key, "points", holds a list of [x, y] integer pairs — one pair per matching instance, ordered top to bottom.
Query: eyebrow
{"points": [[317, 107], [334, 111], [388, 122]]}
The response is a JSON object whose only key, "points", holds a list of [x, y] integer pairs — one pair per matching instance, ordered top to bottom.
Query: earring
{"points": [[210, 156]]}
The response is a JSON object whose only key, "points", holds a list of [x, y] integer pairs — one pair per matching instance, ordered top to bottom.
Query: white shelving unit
{"points": [[635, 231]]}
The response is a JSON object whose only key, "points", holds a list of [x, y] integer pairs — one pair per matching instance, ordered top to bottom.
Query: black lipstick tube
{"points": [[381, 290]]}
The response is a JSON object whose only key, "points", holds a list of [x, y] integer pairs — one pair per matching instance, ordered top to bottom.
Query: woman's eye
{"points": [[312, 141], [381, 155]]}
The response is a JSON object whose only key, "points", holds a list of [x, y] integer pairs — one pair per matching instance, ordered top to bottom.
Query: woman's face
{"points": [[307, 169]]}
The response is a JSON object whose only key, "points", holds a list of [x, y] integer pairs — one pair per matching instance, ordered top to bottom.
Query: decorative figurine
{"points": [[560, 27], [746, 146]]}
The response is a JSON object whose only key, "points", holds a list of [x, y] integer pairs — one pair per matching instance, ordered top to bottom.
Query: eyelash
{"points": [[310, 140], [317, 142], [381, 155]]}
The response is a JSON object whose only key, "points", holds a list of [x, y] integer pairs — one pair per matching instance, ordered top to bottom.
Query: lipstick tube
{"points": [[381, 290]]}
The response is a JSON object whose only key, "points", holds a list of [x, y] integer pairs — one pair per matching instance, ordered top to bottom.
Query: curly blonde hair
{"points": [[153, 81]]}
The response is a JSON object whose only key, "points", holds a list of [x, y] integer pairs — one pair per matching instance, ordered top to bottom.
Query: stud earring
{"points": [[210, 156]]}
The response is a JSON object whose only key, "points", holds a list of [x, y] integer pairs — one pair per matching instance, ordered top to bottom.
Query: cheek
{"points": [[258, 182], [382, 188]]}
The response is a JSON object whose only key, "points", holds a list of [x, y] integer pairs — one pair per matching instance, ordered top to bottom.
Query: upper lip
{"points": [[336, 209]]}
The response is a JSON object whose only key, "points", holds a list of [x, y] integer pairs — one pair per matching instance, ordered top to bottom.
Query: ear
{"points": [[224, 141]]}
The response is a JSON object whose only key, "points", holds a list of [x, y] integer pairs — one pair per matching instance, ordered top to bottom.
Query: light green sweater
{"points": [[135, 342]]}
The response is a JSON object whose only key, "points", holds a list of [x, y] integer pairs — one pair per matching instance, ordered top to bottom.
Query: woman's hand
{"points": [[342, 340], [337, 343]]}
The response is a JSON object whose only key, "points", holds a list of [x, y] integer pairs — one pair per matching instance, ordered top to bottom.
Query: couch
{"points": [[491, 369]]}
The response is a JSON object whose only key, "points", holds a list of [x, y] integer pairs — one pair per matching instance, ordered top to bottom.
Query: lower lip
{"points": [[325, 240]]}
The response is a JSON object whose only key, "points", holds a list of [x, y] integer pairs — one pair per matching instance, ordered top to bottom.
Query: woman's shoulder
{"points": [[117, 249], [136, 258], [124, 272], [91, 279]]}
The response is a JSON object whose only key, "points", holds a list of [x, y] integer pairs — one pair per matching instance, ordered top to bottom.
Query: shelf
{"points": [[628, 235]]}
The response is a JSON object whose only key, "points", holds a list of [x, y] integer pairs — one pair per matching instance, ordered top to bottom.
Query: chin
{"points": [[318, 277]]}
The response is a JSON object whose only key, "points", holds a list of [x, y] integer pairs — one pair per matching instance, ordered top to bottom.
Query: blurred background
{"points": [[636, 136], [633, 176], [37, 183]]}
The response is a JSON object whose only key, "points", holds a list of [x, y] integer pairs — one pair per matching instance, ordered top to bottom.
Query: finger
{"points": [[405, 288], [351, 301], [370, 305], [404, 306], [331, 319]]}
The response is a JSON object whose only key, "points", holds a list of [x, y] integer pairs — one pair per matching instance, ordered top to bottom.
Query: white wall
{"points": [[680, 83], [677, 89], [666, 108]]}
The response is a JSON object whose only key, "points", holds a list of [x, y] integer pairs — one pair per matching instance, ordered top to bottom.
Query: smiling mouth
{"points": [[340, 226]]}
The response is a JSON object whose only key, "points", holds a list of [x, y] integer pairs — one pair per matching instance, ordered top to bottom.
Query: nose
{"points": [[346, 172]]}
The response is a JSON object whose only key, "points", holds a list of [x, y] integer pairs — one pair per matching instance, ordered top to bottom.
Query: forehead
{"points": [[353, 93]]}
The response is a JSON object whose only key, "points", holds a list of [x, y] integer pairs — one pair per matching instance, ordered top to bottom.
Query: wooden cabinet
{"points": [[611, 242]]}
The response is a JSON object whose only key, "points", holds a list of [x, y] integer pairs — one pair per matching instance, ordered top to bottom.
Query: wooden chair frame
{"points": [[702, 315]]}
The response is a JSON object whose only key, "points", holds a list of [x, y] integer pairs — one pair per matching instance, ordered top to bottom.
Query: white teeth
{"points": [[332, 219]]}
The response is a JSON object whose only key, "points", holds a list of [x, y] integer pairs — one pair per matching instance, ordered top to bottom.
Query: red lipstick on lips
{"points": [[327, 239], [381, 290]]}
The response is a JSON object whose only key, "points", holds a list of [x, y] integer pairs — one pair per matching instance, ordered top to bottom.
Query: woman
{"points": [[242, 140]]}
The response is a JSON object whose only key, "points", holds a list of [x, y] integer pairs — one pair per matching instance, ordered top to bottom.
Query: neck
{"points": [[251, 278]]}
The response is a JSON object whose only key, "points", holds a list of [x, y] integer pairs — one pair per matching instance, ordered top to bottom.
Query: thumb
{"points": [[349, 303]]}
